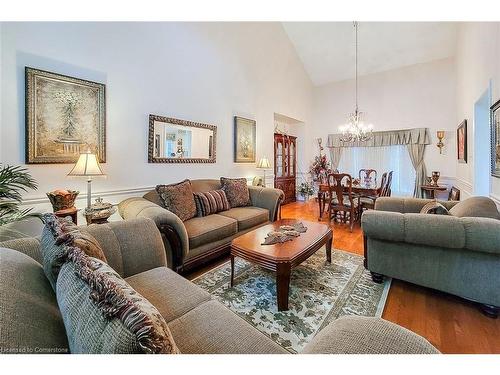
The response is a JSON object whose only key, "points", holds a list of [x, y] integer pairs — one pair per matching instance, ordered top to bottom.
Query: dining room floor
{"points": [[450, 323]]}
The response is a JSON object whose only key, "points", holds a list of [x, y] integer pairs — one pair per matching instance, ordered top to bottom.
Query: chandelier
{"points": [[356, 130]]}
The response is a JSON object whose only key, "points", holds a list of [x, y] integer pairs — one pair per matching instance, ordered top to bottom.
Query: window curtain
{"points": [[415, 140], [416, 152], [335, 155], [382, 159]]}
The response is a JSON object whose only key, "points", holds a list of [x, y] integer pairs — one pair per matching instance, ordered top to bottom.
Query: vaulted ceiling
{"points": [[327, 48]]}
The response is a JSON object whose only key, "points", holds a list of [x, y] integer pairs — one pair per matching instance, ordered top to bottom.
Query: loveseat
{"points": [[197, 240], [453, 253], [31, 322]]}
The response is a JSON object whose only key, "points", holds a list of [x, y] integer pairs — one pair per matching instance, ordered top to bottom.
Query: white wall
{"points": [[478, 56], [204, 72], [422, 95]]}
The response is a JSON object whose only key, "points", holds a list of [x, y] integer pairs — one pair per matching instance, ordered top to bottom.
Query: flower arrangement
{"points": [[319, 167], [306, 189]]}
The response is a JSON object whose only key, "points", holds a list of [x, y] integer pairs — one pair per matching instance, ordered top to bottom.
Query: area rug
{"points": [[319, 293]]}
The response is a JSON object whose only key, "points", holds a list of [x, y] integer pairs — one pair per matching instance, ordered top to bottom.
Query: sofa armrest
{"points": [[268, 198], [406, 205], [383, 225], [172, 228], [367, 335]]}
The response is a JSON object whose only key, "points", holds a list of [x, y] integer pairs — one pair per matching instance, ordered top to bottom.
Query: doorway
{"points": [[482, 155]]}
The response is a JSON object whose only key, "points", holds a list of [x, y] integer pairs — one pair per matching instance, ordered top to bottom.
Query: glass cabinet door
{"points": [[286, 155], [292, 158], [279, 159]]}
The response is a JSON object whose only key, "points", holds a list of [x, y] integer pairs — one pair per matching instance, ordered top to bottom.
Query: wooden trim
{"points": [[153, 159], [175, 243], [365, 250], [206, 256]]}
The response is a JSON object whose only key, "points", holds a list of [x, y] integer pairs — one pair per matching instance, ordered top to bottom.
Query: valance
{"points": [[386, 138]]}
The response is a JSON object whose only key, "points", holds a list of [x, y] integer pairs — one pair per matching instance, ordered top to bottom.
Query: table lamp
{"points": [[264, 164], [87, 166]]}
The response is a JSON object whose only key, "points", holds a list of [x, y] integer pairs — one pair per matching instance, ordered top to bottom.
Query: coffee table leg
{"points": [[329, 250], [232, 271], [282, 285]]}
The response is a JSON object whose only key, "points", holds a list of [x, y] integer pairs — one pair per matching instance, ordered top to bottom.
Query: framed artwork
{"points": [[64, 117], [495, 139], [244, 140], [462, 142]]}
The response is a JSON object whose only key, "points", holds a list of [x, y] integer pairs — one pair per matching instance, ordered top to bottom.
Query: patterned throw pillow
{"points": [[236, 191], [178, 199], [211, 202], [434, 207], [62, 231], [102, 313]]}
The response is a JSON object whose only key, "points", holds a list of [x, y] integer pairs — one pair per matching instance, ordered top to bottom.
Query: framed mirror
{"points": [[179, 141]]}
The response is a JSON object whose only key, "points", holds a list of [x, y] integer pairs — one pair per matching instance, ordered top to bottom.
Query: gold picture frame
{"points": [[64, 117], [244, 140]]}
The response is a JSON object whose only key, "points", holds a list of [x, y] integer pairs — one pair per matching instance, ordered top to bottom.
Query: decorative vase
{"points": [[435, 178], [62, 199]]}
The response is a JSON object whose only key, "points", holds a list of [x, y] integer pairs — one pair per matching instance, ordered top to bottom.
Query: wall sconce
{"points": [[440, 144]]}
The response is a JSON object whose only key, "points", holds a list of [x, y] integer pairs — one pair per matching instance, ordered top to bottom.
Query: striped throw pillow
{"points": [[211, 202]]}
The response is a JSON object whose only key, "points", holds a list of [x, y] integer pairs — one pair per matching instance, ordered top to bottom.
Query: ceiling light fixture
{"points": [[356, 130]]}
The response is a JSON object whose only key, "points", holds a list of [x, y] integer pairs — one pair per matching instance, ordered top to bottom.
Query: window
{"points": [[382, 159]]}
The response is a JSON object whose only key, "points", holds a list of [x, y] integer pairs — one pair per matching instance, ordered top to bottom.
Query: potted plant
{"points": [[319, 168], [13, 181], [305, 190]]}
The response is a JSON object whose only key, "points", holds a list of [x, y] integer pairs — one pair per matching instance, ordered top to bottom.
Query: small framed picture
{"points": [[495, 139], [244, 140], [462, 142]]}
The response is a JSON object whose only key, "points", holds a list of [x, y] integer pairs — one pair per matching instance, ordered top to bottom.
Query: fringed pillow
{"points": [[237, 191], [211, 202], [434, 207], [62, 231], [102, 313]]}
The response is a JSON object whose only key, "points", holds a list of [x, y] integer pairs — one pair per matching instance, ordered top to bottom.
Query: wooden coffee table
{"points": [[282, 257]]}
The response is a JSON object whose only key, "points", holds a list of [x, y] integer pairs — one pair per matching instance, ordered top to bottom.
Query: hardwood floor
{"points": [[450, 323]]}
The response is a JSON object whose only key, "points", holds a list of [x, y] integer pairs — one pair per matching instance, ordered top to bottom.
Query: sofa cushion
{"points": [[237, 191], [178, 199], [210, 202], [476, 207], [247, 217], [202, 230], [170, 293], [102, 313], [30, 321], [213, 329]]}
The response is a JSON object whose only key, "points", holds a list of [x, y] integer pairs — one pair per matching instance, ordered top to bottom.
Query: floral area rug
{"points": [[319, 293]]}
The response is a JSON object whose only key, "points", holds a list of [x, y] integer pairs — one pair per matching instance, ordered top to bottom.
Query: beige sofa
{"points": [[195, 241], [31, 322]]}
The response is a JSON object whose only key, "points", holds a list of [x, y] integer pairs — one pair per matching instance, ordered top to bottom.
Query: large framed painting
{"points": [[64, 117], [495, 139], [244, 140], [462, 142]]}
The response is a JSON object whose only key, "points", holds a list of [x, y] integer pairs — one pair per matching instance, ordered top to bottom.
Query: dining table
{"points": [[362, 189]]}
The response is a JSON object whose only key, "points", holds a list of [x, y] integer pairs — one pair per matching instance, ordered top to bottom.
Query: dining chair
{"points": [[365, 175], [386, 190], [454, 194], [342, 199], [368, 202]]}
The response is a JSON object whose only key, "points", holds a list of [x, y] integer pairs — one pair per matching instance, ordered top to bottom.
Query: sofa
{"points": [[200, 239], [454, 253], [31, 322]]}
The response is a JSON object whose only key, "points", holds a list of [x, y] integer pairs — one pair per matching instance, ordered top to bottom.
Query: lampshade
{"points": [[440, 134], [264, 164], [87, 166]]}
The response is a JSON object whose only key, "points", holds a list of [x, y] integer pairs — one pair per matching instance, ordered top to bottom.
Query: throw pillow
{"points": [[236, 190], [178, 199], [211, 202], [434, 207], [476, 207], [62, 231], [102, 313]]}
